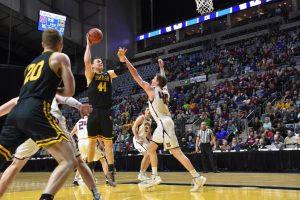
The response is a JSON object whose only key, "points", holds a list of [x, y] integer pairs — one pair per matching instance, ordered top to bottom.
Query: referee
{"points": [[204, 139]]}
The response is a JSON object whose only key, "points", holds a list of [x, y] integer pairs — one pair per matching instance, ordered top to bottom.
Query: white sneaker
{"points": [[143, 177], [155, 180], [198, 182]]}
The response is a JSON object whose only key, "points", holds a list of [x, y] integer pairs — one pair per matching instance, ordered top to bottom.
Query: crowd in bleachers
{"points": [[260, 53], [260, 86]]}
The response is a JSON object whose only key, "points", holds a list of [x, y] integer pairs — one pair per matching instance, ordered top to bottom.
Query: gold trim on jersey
{"points": [[60, 134], [99, 136], [93, 137], [104, 138], [4, 152]]}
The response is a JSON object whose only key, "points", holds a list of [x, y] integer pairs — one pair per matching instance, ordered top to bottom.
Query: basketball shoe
{"points": [[155, 180], [198, 182]]}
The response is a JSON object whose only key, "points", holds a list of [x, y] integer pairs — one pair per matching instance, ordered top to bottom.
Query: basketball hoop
{"points": [[204, 6]]}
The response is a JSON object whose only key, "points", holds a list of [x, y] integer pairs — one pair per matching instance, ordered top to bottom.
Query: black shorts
{"points": [[30, 118], [100, 124]]}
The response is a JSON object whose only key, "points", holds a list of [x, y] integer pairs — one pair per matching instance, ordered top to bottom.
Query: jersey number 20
{"points": [[34, 71]]}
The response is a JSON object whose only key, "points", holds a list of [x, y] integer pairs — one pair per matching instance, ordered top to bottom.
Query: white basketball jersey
{"points": [[159, 106], [55, 111], [144, 128], [82, 129]]}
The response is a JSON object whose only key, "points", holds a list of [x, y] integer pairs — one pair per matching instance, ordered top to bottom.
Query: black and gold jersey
{"points": [[40, 81], [99, 91]]}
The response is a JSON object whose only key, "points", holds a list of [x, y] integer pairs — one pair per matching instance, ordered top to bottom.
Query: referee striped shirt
{"points": [[204, 135]]}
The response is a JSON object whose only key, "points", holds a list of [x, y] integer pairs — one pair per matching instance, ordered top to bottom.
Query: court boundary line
{"points": [[229, 186]]}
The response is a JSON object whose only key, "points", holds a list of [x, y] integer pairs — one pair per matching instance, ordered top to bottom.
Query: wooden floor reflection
{"points": [[223, 186]]}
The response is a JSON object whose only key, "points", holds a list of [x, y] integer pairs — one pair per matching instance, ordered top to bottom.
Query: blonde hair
{"points": [[51, 38]]}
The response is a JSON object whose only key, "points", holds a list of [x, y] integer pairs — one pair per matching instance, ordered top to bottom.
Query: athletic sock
{"points": [[154, 171], [194, 173], [95, 193], [47, 197]]}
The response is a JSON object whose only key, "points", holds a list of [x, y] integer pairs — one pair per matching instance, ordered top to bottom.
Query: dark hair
{"points": [[51, 38], [95, 58], [162, 80]]}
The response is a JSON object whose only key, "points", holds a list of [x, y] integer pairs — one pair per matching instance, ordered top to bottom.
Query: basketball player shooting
{"points": [[100, 125], [165, 132]]}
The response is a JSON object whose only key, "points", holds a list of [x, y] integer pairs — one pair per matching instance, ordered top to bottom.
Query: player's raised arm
{"points": [[88, 61], [161, 65], [134, 73], [8, 106]]}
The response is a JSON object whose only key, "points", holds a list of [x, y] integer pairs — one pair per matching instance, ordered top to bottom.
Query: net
{"points": [[204, 6]]}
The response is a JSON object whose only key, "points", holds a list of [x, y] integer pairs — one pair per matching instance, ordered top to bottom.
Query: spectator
{"points": [[269, 110], [290, 116], [267, 123], [256, 125], [231, 128], [297, 128], [282, 129], [189, 134], [221, 134], [269, 134], [279, 136], [265, 138], [290, 140], [251, 143], [277, 143], [190, 144], [260, 144], [184, 145], [235, 145], [225, 146]]}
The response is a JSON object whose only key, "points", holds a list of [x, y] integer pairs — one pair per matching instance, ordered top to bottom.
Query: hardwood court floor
{"points": [[176, 186]]}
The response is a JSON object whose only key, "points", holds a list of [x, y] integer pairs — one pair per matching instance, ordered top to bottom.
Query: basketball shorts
{"points": [[30, 118], [100, 124], [165, 133], [29, 147], [141, 147], [83, 149]]}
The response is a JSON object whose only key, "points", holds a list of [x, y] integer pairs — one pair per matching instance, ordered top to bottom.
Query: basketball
{"points": [[95, 35]]}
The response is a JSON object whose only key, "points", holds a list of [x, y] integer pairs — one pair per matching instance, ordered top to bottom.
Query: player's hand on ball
{"points": [[88, 42], [161, 63], [85, 110]]}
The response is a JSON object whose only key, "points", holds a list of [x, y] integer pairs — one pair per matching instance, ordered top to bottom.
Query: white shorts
{"points": [[165, 133], [29, 147], [141, 147], [26, 149], [83, 149]]}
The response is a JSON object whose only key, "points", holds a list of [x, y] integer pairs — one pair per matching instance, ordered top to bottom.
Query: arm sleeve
{"points": [[121, 70], [70, 101]]}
